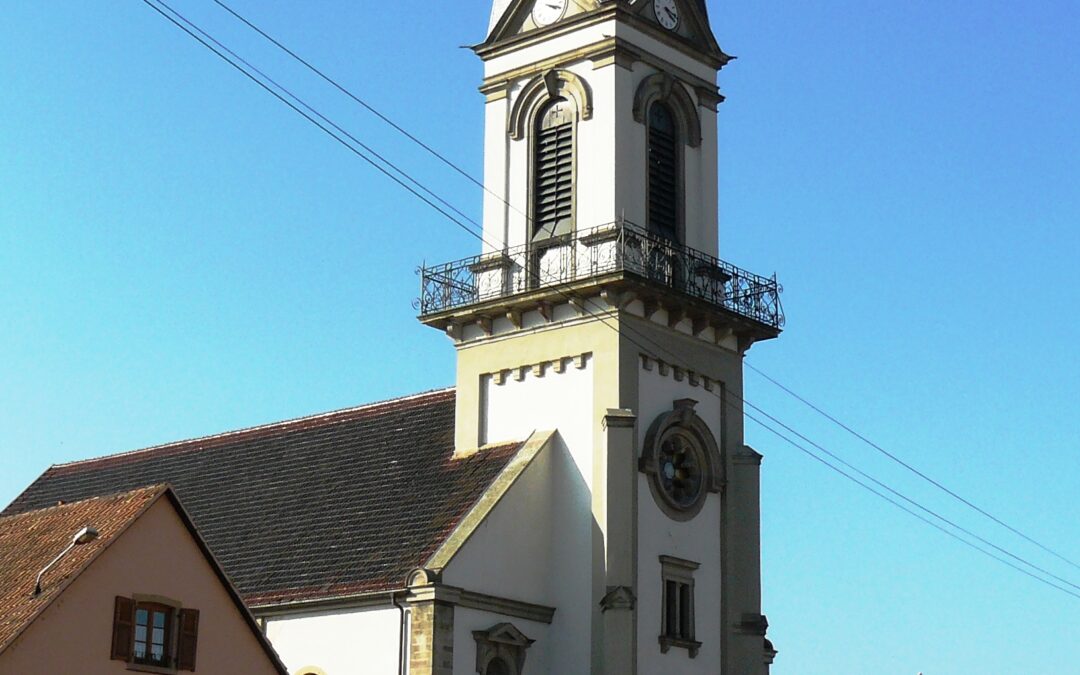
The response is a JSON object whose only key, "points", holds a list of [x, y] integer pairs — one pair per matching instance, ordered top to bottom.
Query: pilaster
{"points": [[620, 521], [747, 648]]}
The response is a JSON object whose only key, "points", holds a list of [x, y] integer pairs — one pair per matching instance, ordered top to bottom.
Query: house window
{"points": [[553, 170], [665, 174], [677, 600], [153, 628], [154, 633]]}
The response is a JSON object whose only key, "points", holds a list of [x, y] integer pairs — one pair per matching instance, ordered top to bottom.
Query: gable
{"points": [[511, 19], [693, 27], [156, 555]]}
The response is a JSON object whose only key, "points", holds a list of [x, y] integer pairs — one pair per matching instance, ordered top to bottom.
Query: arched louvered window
{"points": [[553, 170], [665, 172]]}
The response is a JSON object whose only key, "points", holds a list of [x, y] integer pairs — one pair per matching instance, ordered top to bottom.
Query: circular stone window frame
{"points": [[685, 422]]}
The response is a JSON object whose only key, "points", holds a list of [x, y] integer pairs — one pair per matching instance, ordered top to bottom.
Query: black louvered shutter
{"points": [[663, 173], [553, 184], [123, 631], [188, 642]]}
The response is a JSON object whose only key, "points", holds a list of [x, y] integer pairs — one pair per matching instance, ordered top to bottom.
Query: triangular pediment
{"points": [[511, 18], [693, 25], [504, 633]]}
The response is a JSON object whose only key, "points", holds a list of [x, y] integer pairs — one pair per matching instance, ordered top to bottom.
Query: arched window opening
{"points": [[553, 171], [665, 190], [497, 667]]}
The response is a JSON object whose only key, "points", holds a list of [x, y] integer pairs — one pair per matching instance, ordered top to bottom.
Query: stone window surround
{"points": [[681, 572], [502, 642]]}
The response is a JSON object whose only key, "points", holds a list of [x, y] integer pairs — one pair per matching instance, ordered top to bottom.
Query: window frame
{"points": [[677, 602], [169, 641], [176, 641]]}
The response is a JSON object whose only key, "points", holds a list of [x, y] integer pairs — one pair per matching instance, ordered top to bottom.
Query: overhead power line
{"points": [[222, 52], [367, 106], [308, 117], [322, 117], [909, 467], [907, 499], [900, 506]]}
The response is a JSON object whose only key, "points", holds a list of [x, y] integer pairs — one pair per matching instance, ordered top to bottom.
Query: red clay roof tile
{"points": [[30, 541]]}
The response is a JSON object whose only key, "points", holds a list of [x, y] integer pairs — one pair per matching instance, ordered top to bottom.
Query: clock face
{"points": [[547, 12], [667, 13]]}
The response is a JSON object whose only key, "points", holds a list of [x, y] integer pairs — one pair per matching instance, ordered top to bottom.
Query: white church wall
{"points": [[553, 46], [662, 50], [629, 152], [497, 180], [595, 192], [563, 401], [697, 540], [504, 559], [549, 561], [545, 563], [346, 642], [538, 657]]}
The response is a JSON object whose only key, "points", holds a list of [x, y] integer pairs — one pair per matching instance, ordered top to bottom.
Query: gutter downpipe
{"points": [[401, 633]]}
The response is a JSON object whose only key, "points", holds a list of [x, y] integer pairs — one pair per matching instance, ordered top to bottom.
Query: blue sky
{"points": [[181, 255]]}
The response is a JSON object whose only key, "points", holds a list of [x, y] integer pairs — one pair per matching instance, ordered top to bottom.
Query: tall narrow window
{"points": [[553, 171], [664, 172], [677, 628]]}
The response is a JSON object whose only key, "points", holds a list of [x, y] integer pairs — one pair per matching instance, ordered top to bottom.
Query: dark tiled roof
{"points": [[336, 504], [29, 541]]}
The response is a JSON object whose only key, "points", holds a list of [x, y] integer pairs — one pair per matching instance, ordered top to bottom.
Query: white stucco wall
{"points": [[564, 401], [697, 540], [537, 544], [535, 547], [503, 558], [352, 642]]}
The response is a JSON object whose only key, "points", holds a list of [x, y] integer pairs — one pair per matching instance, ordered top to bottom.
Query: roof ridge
{"points": [[283, 424], [148, 489]]}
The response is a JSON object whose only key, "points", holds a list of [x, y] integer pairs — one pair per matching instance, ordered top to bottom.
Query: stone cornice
{"points": [[500, 47], [606, 52], [460, 597]]}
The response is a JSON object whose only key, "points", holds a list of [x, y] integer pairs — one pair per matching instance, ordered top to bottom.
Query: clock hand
{"points": [[670, 13]]}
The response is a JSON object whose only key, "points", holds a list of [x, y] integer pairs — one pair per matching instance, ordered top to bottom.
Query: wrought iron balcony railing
{"points": [[583, 255]]}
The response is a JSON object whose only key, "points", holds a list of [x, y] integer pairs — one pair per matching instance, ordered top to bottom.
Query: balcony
{"points": [[616, 252]]}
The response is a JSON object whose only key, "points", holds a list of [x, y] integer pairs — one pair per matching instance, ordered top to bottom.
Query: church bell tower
{"points": [[599, 308]]}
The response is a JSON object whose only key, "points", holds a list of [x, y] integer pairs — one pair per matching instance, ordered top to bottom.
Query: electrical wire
{"points": [[367, 106], [305, 115], [322, 117], [908, 466], [908, 499], [900, 506]]}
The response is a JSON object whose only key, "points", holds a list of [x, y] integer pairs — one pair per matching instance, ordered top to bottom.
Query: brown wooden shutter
{"points": [[123, 632], [189, 639]]}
